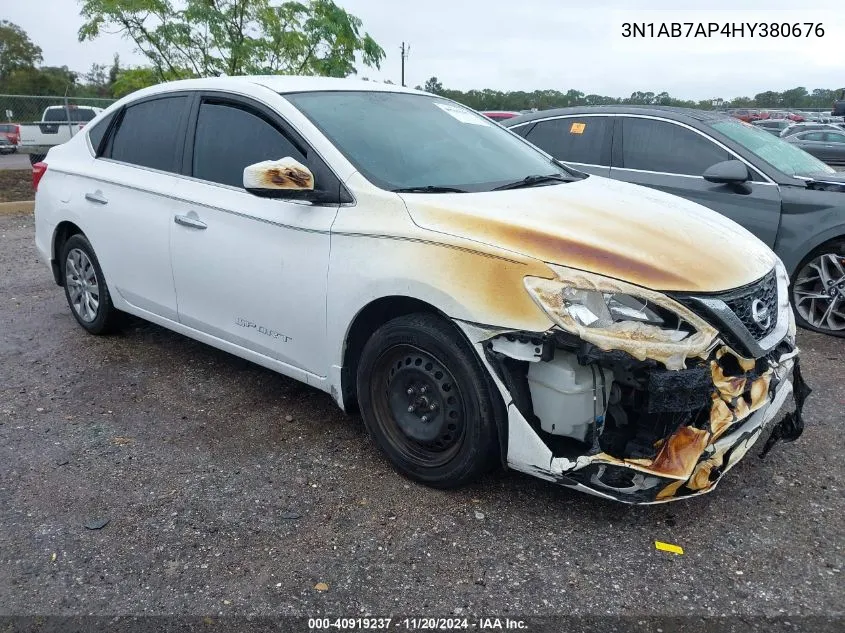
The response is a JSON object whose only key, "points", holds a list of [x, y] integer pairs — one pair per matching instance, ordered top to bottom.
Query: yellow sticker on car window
{"points": [[577, 128]]}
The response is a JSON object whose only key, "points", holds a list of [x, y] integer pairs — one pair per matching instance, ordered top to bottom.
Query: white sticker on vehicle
{"points": [[462, 115]]}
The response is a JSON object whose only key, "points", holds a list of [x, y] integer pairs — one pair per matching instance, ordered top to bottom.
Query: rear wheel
{"points": [[85, 287], [818, 290], [427, 402]]}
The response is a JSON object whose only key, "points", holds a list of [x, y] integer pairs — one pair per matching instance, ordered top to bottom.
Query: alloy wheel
{"points": [[82, 284], [819, 292]]}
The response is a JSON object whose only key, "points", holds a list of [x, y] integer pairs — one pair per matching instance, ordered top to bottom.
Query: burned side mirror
{"points": [[283, 178]]}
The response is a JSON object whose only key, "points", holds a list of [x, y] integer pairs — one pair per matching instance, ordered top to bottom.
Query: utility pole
{"points": [[406, 50]]}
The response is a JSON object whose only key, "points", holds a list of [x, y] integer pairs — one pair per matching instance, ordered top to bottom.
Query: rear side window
{"points": [[77, 115], [97, 133], [150, 134], [812, 136], [229, 137], [834, 137], [577, 140], [650, 145]]}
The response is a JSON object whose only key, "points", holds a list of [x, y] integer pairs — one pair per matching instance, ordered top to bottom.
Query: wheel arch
{"points": [[62, 233], [797, 255], [378, 312], [368, 319]]}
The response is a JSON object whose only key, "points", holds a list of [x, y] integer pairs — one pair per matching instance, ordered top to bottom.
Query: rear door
{"points": [[582, 141], [834, 147], [672, 157], [129, 195], [252, 271]]}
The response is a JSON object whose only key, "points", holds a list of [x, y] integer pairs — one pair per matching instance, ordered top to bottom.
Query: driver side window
{"points": [[229, 137]]}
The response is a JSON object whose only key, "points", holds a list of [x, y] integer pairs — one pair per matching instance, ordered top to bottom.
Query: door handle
{"points": [[96, 197], [191, 221]]}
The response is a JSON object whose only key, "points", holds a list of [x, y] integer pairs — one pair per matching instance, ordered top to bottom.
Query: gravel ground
{"points": [[230, 489]]}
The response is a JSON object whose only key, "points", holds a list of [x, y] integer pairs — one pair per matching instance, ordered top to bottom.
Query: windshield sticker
{"points": [[464, 116], [577, 128]]}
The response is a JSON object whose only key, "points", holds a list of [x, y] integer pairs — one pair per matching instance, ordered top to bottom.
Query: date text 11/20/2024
{"points": [[417, 624]]}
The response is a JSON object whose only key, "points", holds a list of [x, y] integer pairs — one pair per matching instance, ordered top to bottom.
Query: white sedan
{"points": [[476, 300]]}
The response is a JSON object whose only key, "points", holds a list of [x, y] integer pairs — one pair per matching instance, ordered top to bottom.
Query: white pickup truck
{"points": [[57, 125]]}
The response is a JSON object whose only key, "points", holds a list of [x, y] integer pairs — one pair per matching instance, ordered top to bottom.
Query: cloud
{"points": [[534, 44]]}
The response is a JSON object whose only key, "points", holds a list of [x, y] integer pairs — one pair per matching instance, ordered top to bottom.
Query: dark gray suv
{"points": [[787, 198]]}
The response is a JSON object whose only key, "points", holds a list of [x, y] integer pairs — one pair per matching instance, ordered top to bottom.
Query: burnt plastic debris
{"points": [[791, 426]]}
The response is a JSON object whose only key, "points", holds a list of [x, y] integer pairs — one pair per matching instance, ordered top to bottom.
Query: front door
{"points": [[249, 270]]}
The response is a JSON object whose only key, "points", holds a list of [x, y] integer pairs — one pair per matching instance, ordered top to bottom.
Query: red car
{"points": [[500, 115], [746, 115], [12, 132]]}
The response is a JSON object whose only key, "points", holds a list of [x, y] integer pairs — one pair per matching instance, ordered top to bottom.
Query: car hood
{"points": [[624, 231]]}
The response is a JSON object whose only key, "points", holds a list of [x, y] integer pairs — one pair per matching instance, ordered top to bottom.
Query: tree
{"points": [[202, 38], [16, 50], [132, 79], [47, 80], [433, 86]]}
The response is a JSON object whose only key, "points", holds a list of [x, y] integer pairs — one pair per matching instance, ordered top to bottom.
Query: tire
{"points": [[821, 273], [85, 287], [416, 367]]}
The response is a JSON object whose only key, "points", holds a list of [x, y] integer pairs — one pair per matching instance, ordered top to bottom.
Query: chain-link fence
{"points": [[28, 108]]}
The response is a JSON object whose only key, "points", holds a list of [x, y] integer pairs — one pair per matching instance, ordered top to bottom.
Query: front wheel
{"points": [[818, 290], [427, 401]]}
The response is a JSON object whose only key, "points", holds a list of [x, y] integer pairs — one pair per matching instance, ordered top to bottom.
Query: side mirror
{"points": [[728, 172], [283, 178]]}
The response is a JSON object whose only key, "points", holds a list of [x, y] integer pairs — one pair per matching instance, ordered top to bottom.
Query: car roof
{"points": [[279, 84], [666, 112]]}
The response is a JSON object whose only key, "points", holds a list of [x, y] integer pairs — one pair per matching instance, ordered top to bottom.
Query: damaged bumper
{"points": [[603, 414]]}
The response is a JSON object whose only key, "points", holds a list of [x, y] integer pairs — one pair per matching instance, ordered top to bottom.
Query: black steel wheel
{"points": [[427, 401]]}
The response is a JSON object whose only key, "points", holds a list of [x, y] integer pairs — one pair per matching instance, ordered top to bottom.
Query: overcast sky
{"points": [[539, 44]]}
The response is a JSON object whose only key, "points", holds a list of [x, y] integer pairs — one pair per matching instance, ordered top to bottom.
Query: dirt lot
{"points": [[16, 185], [230, 489]]}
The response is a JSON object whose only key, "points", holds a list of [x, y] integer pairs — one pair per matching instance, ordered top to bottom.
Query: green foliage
{"points": [[202, 38], [17, 51], [132, 79], [47, 80], [487, 99]]}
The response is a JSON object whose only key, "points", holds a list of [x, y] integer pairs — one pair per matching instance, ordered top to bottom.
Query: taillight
{"points": [[38, 171]]}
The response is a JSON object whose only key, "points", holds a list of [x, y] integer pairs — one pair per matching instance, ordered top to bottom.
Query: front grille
{"points": [[742, 304], [732, 313]]}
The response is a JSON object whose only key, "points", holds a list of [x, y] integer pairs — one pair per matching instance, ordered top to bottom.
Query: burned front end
{"points": [[642, 396]]}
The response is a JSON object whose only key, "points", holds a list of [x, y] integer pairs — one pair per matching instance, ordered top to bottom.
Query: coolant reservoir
{"points": [[566, 396]]}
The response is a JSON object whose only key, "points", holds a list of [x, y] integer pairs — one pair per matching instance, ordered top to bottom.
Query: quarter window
{"points": [[98, 132], [150, 134], [230, 137], [576, 140], [651, 145]]}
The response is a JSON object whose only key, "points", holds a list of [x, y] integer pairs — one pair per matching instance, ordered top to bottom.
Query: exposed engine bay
{"points": [[637, 412], [633, 429]]}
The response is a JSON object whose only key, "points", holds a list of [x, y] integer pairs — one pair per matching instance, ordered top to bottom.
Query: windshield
{"points": [[410, 141], [779, 154]]}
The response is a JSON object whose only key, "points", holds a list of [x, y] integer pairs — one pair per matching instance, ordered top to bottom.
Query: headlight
{"points": [[613, 314]]}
